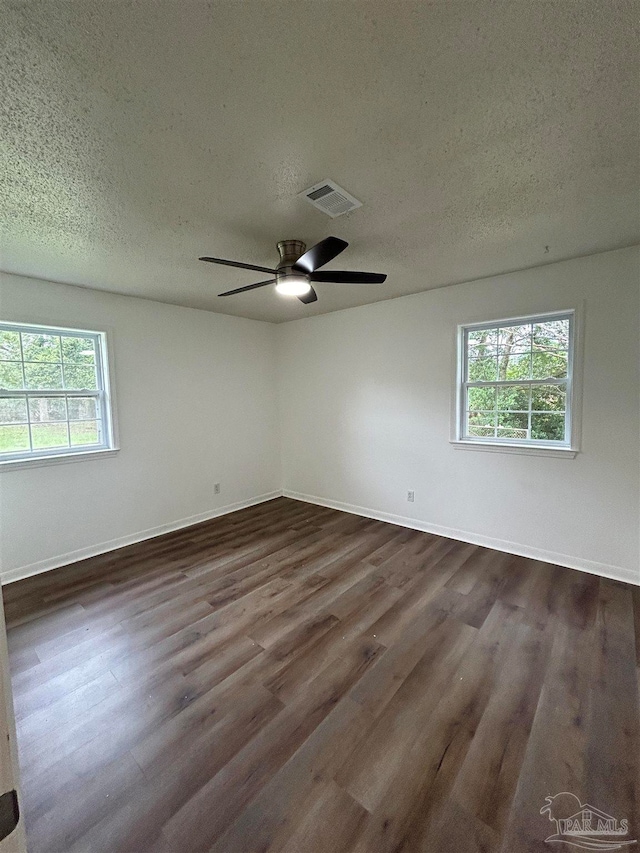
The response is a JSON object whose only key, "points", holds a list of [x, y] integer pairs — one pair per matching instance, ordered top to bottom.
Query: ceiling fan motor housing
{"points": [[289, 251]]}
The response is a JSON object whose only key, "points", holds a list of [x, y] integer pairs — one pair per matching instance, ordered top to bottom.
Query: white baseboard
{"points": [[111, 545], [617, 573]]}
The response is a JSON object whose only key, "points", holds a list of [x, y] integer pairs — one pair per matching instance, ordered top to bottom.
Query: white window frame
{"points": [[103, 396], [570, 446]]}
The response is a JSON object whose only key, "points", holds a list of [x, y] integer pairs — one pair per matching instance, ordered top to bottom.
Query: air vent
{"points": [[331, 199]]}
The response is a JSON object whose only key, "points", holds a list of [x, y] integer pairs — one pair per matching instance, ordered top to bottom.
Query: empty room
{"points": [[319, 426]]}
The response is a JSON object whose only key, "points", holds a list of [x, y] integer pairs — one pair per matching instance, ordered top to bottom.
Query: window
{"points": [[515, 382], [54, 395]]}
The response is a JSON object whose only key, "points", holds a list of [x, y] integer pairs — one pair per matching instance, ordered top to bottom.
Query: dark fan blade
{"points": [[320, 254], [237, 264], [344, 277], [247, 287], [312, 296]]}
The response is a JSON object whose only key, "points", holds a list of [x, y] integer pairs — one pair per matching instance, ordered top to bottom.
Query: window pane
{"points": [[551, 336], [513, 339], [482, 342], [10, 346], [40, 347], [78, 350], [504, 362], [514, 366], [549, 366], [47, 368], [482, 369], [10, 375], [43, 376], [80, 376], [481, 398], [514, 398], [548, 398], [82, 408], [47, 409], [13, 410], [481, 423], [513, 425], [547, 427], [84, 432], [481, 432], [508, 432], [44, 436], [14, 438]]}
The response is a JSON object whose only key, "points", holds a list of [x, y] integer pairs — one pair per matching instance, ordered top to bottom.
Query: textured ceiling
{"points": [[136, 136]]}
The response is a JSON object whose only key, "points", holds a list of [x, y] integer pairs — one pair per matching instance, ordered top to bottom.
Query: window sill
{"points": [[521, 449], [16, 464]]}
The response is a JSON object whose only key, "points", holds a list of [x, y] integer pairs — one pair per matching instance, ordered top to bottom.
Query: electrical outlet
{"points": [[216, 488], [411, 496]]}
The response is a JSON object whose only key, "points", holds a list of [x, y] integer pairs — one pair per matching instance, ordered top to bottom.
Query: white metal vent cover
{"points": [[331, 199]]}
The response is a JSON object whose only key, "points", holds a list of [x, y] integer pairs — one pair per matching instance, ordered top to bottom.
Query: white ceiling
{"points": [[136, 136]]}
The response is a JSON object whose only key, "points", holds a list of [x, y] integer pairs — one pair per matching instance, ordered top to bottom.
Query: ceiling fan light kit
{"points": [[297, 269], [292, 285]]}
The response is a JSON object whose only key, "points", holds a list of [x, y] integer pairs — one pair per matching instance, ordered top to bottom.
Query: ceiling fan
{"points": [[298, 268]]}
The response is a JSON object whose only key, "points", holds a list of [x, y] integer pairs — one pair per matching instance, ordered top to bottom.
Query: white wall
{"points": [[365, 397], [365, 402], [196, 404]]}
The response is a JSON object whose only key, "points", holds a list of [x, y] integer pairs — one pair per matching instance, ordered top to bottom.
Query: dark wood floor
{"points": [[294, 678]]}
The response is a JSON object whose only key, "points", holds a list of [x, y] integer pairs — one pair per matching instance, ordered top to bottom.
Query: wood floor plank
{"points": [[296, 679], [613, 730], [374, 768], [486, 782], [223, 798], [86, 803], [274, 815], [135, 822]]}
